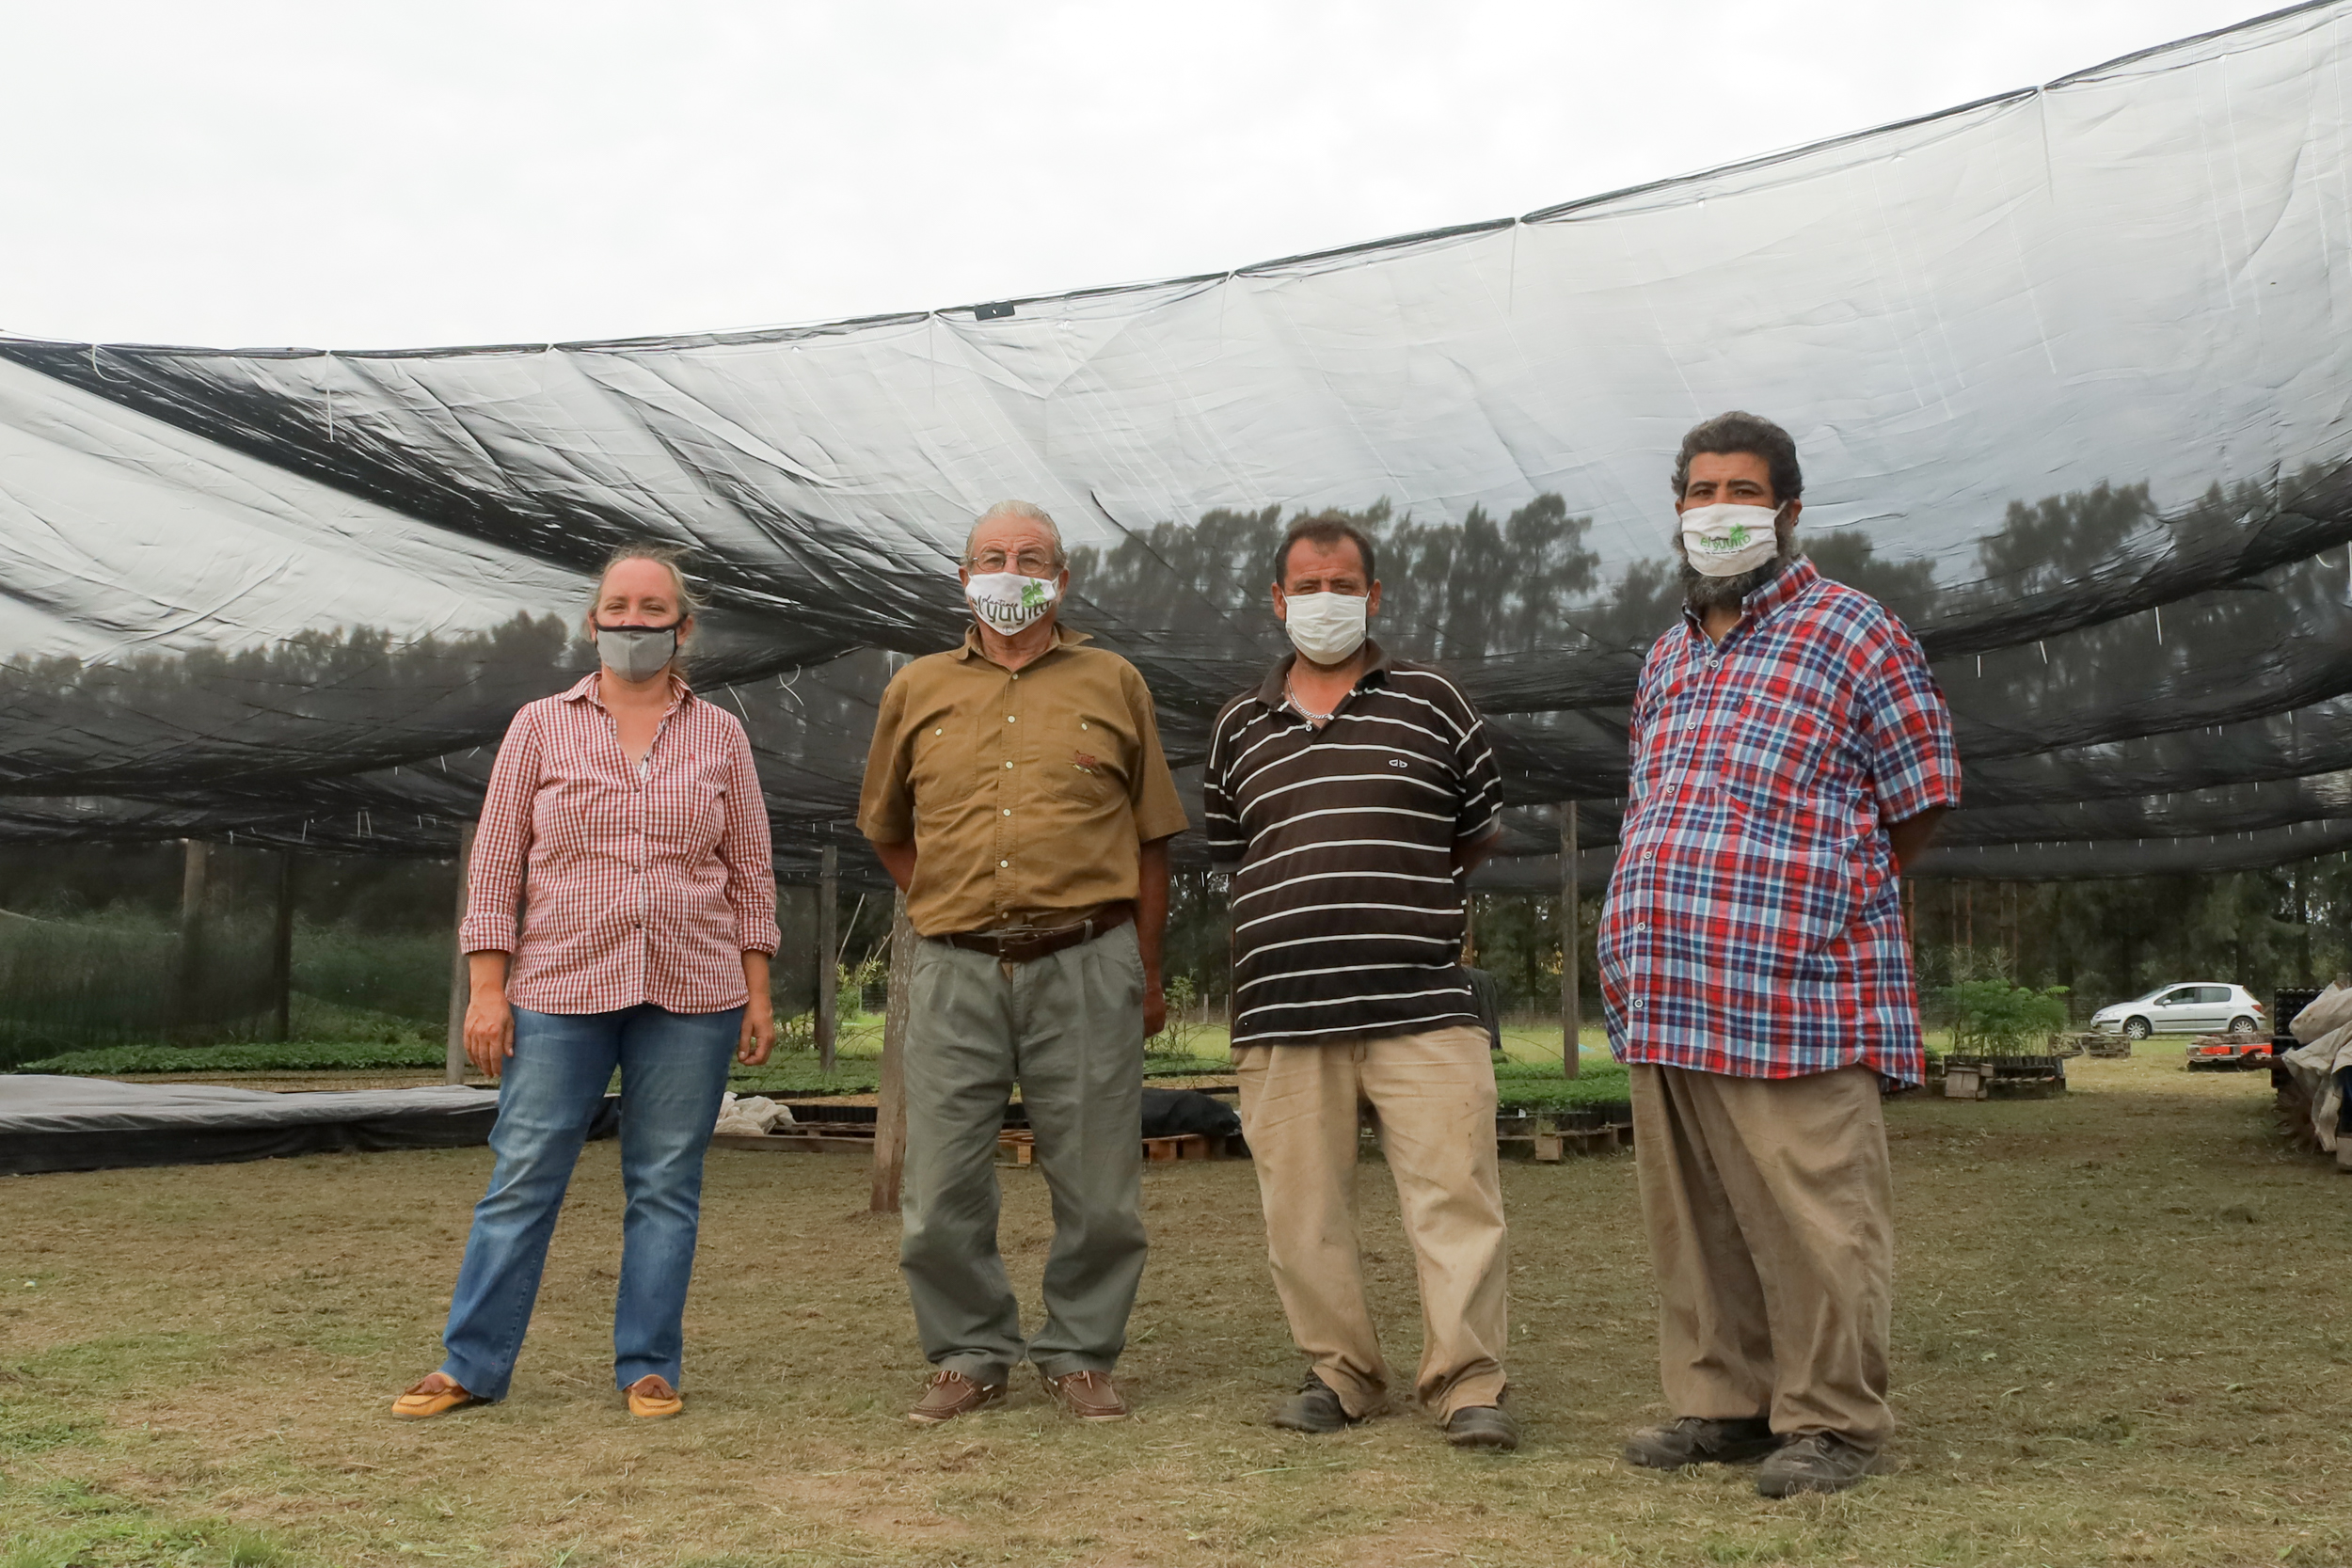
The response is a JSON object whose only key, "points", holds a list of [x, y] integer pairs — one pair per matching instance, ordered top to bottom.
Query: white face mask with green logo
{"points": [[1724, 541], [1007, 601]]}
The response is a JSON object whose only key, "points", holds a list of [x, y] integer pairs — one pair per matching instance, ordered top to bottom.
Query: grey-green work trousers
{"points": [[1067, 1028]]}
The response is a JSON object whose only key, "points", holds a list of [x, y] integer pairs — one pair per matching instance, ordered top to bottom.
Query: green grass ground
{"points": [[2120, 1338]]}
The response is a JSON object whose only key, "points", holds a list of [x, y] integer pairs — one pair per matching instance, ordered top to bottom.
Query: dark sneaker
{"points": [[952, 1394], [1088, 1396], [1314, 1408], [1482, 1426], [1699, 1440], [1813, 1462]]}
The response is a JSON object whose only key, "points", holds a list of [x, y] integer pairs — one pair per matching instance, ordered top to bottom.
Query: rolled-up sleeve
{"points": [[1907, 734], [1152, 791], [885, 806], [1479, 812], [1221, 824], [502, 842], [748, 853]]}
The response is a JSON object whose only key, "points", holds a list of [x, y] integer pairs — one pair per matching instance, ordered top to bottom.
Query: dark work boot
{"points": [[1314, 1408], [1483, 1426], [1699, 1440], [1813, 1462]]}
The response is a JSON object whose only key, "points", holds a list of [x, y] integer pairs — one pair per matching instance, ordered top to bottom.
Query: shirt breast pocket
{"points": [[1778, 756], [1083, 759], [943, 765], [704, 799]]}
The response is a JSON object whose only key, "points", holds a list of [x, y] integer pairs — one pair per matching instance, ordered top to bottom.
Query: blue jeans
{"points": [[673, 1073]]}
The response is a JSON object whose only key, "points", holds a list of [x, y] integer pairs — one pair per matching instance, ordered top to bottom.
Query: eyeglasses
{"points": [[1029, 563]]}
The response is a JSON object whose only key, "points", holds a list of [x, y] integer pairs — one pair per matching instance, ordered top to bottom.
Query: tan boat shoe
{"points": [[436, 1394], [952, 1394], [1088, 1396], [652, 1399]]}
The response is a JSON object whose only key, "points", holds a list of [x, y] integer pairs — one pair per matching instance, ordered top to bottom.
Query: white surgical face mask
{"points": [[1724, 541], [1007, 601], [1325, 627], [637, 652]]}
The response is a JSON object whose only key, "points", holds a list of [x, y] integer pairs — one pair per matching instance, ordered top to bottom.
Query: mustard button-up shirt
{"points": [[1027, 793]]}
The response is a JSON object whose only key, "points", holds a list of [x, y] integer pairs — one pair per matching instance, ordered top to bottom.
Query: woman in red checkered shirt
{"points": [[625, 815]]}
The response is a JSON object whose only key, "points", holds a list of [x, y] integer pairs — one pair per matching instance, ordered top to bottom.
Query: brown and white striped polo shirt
{"points": [[1347, 916]]}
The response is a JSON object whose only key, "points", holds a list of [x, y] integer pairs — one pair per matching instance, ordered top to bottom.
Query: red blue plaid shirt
{"points": [[1755, 922]]}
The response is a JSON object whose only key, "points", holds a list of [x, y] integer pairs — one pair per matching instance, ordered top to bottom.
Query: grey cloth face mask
{"points": [[637, 652]]}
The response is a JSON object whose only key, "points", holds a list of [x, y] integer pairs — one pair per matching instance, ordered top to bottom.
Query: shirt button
{"points": [[1008, 717], [1082, 724], [939, 732], [1007, 811], [1645, 854], [1003, 863], [1640, 926], [1637, 1003]]}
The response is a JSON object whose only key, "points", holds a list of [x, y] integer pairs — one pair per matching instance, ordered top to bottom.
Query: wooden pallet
{"points": [[832, 1140], [1549, 1145], [1014, 1147]]}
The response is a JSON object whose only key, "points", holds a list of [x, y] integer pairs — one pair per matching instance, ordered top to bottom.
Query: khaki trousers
{"points": [[1434, 1094], [1770, 1213]]}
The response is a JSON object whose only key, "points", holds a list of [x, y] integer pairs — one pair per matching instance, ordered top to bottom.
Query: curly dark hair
{"points": [[1749, 432]]}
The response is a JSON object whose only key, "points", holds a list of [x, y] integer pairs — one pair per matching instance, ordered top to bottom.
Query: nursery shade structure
{"points": [[2067, 367]]}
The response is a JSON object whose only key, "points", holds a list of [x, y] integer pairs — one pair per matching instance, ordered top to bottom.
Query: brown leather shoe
{"points": [[952, 1394], [1088, 1396], [430, 1397], [652, 1399]]}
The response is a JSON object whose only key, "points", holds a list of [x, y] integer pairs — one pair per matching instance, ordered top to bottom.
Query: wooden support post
{"points": [[1571, 939], [281, 951], [187, 995], [828, 1019], [454, 1063], [890, 1110]]}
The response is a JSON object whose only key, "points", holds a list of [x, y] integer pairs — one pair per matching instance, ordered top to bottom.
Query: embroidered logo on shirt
{"points": [[1082, 761]]}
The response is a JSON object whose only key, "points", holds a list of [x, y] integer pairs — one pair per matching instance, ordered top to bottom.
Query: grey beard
{"points": [[1703, 592]]}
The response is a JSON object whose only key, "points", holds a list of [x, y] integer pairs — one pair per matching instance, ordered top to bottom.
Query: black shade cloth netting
{"points": [[2065, 366]]}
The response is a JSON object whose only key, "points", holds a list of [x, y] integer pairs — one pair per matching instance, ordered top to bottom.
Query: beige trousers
{"points": [[1435, 1094], [1770, 1213]]}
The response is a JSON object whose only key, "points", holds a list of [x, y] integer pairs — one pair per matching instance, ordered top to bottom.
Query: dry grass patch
{"points": [[2119, 1339]]}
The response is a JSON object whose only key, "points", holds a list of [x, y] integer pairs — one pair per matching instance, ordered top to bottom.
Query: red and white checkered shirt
{"points": [[640, 888], [1755, 923]]}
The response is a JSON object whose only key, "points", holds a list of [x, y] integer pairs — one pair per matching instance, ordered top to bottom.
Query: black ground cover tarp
{"points": [[60, 1124]]}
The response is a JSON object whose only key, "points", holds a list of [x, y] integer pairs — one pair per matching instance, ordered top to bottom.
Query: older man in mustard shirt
{"points": [[1016, 792]]}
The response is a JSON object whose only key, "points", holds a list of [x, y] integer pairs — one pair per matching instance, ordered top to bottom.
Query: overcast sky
{"points": [[245, 173]]}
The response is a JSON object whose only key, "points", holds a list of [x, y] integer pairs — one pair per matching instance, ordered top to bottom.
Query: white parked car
{"points": [[2184, 1007]]}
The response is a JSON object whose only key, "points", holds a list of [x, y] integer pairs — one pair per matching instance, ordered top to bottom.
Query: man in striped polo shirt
{"points": [[1357, 793]]}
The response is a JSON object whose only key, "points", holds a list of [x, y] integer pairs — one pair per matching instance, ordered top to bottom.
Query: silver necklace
{"points": [[1289, 690]]}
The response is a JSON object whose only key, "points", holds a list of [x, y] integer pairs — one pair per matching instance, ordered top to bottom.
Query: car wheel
{"points": [[2242, 1026], [2135, 1028]]}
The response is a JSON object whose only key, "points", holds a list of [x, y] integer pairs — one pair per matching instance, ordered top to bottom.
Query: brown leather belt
{"points": [[1020, 948]]}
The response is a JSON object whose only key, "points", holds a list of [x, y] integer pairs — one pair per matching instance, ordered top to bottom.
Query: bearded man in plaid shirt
{"points": [[1790, 752]]}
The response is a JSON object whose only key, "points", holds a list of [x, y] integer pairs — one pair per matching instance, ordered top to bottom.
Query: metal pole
{"points": [[1572, 940], [281, 951], [828, 955], [187, 994], [454, 1063], [890, 1108]]}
